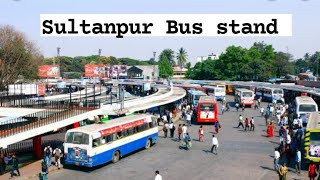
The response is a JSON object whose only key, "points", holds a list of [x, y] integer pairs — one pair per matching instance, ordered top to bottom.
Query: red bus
{"points": [[207, 110]]}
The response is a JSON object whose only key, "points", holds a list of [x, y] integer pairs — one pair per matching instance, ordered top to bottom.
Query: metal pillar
{"points": [[37, 147]]}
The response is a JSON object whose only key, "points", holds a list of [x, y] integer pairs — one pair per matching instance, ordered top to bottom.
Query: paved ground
{"points": [[242, 155]]}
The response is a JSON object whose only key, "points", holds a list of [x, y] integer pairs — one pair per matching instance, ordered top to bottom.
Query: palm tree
{"points": [[182, 57]]}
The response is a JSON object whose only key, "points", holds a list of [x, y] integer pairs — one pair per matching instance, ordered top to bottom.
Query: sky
{"points": [[24, 15]]}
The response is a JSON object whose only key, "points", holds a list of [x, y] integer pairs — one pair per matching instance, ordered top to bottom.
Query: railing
{"points": [[49, 112]]}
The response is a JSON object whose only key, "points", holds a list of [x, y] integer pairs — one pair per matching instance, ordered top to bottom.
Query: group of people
{"points": [[246, 124], [9, 160], [46, 162]]}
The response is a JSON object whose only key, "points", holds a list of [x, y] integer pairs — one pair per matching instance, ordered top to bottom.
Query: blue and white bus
{"points": [[218, 92], [269, 94], [194, 96], [98, 144]]}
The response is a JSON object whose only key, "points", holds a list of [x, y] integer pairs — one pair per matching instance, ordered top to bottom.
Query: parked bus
{"points": [[218, 92], [269, 94], [194, 96], [244, 97], [304, 105], [207, 110], [312, 138], [97, 144]]}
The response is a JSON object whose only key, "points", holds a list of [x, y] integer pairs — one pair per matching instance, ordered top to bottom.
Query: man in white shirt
{"points": [[271, 109], [261, 111], [188, 118], [184, 131], [288, 139], [215, 144], [276, 159], [158, 176]]}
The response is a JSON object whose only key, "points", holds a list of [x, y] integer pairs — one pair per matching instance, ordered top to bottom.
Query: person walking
{"points": [[259, 101], [227, 106], [237, 106], [242, 107], [222, 108], [261, 111], [188, 118], [240, 121], [247, 124], [252, 124], [217, 126], [165, 129], [172, 129], [184, 131], [179, 132], [200, 132], [187, 140], [215, 144], [47, 154], [57, 156], [276, 159], [298, 161], [2, 164], [14, 165], [44, 170], [283, 170], [312, 171], [158, 176]]}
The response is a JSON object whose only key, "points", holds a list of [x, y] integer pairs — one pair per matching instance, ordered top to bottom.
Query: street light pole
{"points": [[58, 57]]}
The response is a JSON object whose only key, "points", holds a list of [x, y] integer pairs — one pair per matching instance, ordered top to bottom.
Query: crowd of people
{"points": [[9, 160]]}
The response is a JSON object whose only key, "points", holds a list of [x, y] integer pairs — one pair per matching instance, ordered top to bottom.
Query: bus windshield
{"points": [[219, 90], [277, 91], [247, 94], [197, 97], [206, 107], [307, 108], [315, 136], [77, 138]]}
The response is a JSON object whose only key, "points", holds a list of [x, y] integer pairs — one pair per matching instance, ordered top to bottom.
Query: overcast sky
{"points": [[25, 16]]}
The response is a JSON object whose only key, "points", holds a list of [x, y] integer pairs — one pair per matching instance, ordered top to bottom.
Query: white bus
{"points": [[218, 92], [269, 94], [244, 97], [304, 105], [97, 144]]}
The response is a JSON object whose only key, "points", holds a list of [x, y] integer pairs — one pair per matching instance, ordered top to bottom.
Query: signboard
{"points": [[94, 70], [48, 71], [116, 71], [146, 87], [41, 89]]}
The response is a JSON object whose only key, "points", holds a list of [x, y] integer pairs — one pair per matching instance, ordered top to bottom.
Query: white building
{"points": [[210, 56]]}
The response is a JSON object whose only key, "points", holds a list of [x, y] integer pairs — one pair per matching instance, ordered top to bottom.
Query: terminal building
{"points": [[143, 72]]}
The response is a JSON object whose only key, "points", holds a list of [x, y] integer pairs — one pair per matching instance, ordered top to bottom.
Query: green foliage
{"points": [[169, 54], [182, 57], [238, 63], [165, 67]]}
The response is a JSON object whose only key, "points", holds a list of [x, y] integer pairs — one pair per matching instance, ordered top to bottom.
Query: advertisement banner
{"points": [[94, 70], [48, 71], [116, 71], [41, 89]]}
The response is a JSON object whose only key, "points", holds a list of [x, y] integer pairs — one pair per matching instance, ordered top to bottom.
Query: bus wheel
{"points": [[148, 144], [115, 157]]}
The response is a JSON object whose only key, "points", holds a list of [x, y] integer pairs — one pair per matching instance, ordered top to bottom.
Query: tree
{"points": [[169, 54], [18, 56], [182, 57], [282, 65], [165, 67]]}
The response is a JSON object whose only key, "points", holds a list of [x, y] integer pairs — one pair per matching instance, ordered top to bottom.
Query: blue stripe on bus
{"points": [[106, 156]]}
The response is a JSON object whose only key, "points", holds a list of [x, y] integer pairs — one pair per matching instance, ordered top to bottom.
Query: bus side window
{"points": [[130, 131], [124, 133], [119, 135], [109, 138], [95, 142]]}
